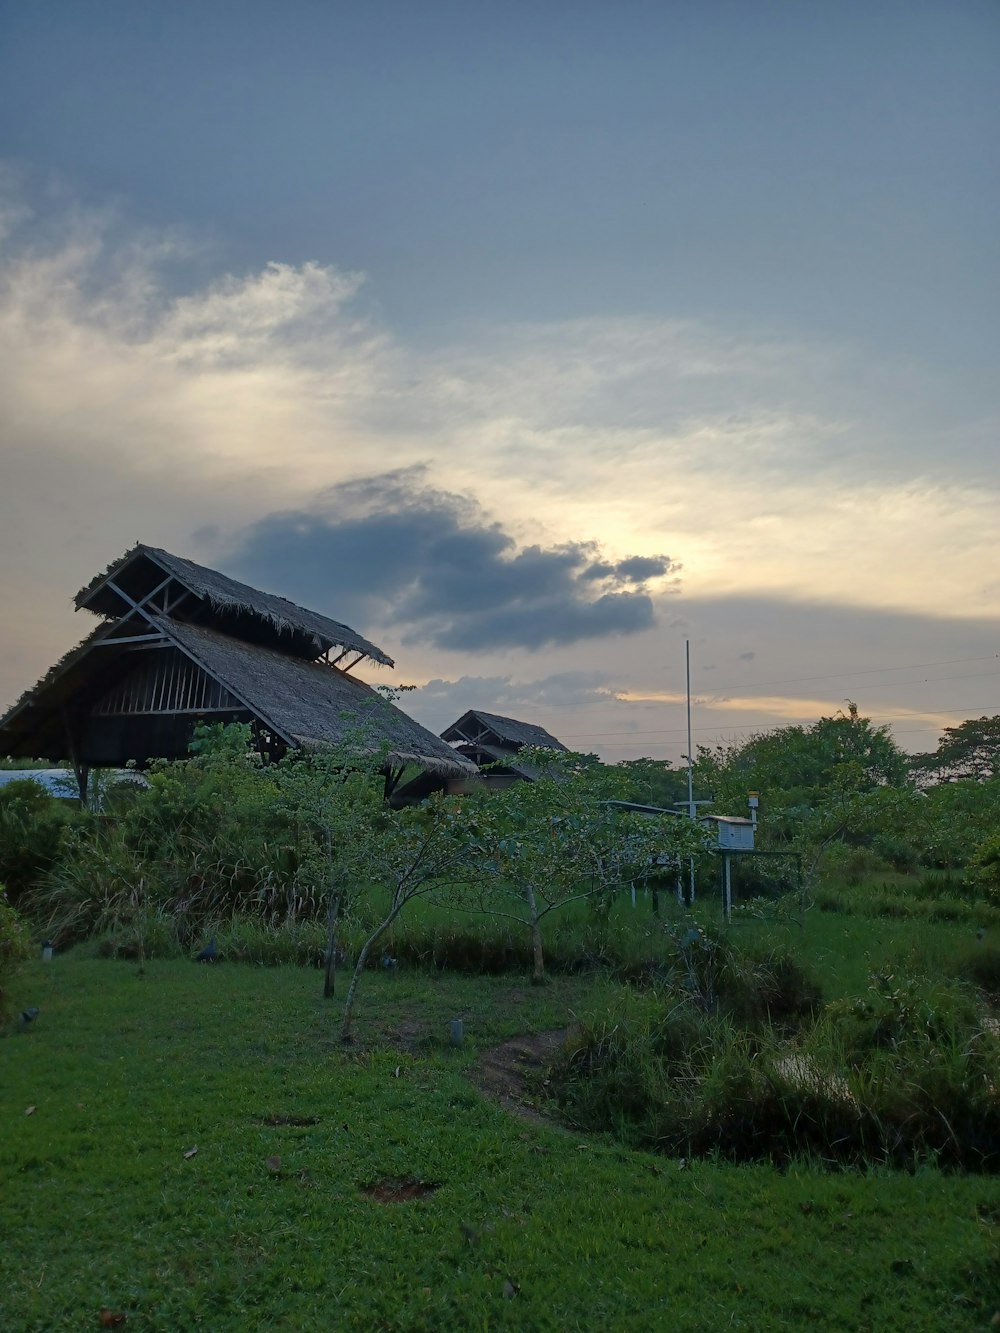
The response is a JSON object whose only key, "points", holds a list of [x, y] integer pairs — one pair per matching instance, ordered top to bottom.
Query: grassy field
{"points": [[105, 1206]]}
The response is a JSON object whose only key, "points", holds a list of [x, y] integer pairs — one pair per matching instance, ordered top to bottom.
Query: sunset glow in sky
{"points": [[528, 340]]}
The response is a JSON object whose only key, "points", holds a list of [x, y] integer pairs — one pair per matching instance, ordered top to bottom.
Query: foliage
{"points": [[969, 751], [798, 766], [652, 782], [949, 820], [32, 824], [214, 836], [540, 846], [984, 867], [15, 947], [980, 966], [904, 1073]]}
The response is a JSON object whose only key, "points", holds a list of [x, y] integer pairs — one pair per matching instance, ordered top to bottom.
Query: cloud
{"points": [[148, 394], [434, 566], [548, 701]]}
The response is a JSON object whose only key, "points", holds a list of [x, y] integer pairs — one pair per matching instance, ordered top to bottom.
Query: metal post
{"points": [[692, 808]]}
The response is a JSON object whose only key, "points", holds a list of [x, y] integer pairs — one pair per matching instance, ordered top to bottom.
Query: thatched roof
{"points": [[291, 626], [305, 703], [311, 705], [33, 725], [503, 731], [489, 739]]}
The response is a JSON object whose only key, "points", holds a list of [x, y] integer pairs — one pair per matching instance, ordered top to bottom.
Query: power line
{"points": [[867, 671], [798, 680], [754, 726]]}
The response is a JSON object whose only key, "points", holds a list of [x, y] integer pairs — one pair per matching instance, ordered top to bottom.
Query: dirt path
{"points": [[504, 1072]]}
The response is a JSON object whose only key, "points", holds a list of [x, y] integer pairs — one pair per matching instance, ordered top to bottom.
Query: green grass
{"points": [[843, 950], [101, 1208]]}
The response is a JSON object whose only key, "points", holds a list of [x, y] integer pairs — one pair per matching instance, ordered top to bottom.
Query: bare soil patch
{"points": [[408, 1035], [506, 1072], [290, 1120], [399, 1189]]}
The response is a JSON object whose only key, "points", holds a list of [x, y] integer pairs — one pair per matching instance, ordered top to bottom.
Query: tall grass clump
{"points": [[32, 825], [15, 947], [980, 966], [760, 985], [905, 1073]]}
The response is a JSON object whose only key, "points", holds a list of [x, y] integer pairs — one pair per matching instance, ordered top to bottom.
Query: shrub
{"points": [[31, 831], [896, 852], [854, 864], [984, 867], [145, 934], [15, 947], [981, 967], [763, 987], [772, 987], [904, 1073]]}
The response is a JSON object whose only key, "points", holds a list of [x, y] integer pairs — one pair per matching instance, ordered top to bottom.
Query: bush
{"points": [[31, 831], [896, 852], [854, 864], [984, 868], [144, 934], [15, 947], [981, 968], [772, 987], [753, 988], [902, 1074]]}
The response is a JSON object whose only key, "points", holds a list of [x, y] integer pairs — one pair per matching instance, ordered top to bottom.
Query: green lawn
{"points": [[530, 1227]]}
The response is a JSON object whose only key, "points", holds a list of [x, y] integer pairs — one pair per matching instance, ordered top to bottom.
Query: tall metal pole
{"points": [[687, 668], [692, 808]]}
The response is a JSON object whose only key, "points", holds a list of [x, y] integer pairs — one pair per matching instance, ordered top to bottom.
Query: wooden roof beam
{"points": [[130, 639]]}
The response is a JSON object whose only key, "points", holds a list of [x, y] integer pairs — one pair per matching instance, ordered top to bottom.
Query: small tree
{"points": [[338, 790], [337, 798], [558, 840], [420, 851]]}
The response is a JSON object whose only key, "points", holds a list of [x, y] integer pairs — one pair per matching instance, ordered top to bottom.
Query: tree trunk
{"points": [[370, 942], [538, 958], [330, 976]]}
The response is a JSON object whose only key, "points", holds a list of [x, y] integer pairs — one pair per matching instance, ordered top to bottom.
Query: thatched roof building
{"points": [[182, 644], [490, 742], [493, 742]]}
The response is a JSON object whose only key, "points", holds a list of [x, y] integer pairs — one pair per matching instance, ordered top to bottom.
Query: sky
{"points": [[533, 341]]}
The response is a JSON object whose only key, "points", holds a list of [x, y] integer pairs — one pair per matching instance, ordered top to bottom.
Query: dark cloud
{"points": [[391, 550], [639, 568], [600, 569], [634, 569]]}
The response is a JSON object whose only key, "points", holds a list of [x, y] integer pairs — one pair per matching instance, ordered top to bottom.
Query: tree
{"points": [[970, 750], [799, 769], [653, 782], [340, 805], [951, 819], [545, 844], [419, 851]]}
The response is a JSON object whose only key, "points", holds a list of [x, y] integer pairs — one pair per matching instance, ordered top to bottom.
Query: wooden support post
{"points": [[80, 769]]}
